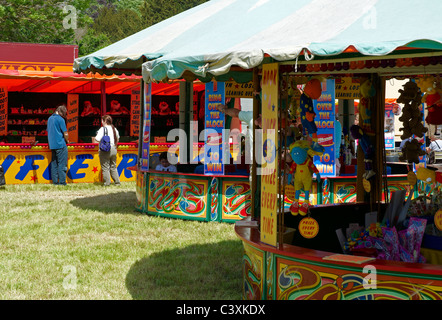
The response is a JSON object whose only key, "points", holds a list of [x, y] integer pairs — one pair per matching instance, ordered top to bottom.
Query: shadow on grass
{"points": [[118, 202], [197, 272]]}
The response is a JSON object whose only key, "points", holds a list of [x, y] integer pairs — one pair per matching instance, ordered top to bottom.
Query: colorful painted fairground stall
{"points": [[36, 78], [386, 242]]}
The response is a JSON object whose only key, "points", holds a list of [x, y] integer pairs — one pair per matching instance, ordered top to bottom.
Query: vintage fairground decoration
{"points": [[324, 107], [3, 111], [214, 125], [146, 127], [269, 177], [308, 228]]}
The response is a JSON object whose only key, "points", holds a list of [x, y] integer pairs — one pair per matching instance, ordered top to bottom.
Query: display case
{"points": [[117, 106], [28, 114]]}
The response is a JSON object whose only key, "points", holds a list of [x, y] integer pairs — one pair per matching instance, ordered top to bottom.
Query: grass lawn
{"points": [[86, 242]]}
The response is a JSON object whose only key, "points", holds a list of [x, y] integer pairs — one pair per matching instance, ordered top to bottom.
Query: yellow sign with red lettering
{"points": [[3, 111], [269, 160], [438, 219], [308, 228]]}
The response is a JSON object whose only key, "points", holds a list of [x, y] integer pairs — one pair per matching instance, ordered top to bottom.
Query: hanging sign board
{"points": [[347, 88], [239, 90], [135, 104], [3, 111], [72, 118], [325, 122], [214, 125], [146, 127], [269, 160], [438, 219], [308, 228]]}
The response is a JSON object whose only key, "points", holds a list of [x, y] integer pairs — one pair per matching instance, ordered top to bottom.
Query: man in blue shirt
{"points": [[57, 139]]}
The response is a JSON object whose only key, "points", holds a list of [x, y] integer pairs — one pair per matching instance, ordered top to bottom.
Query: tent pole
{"points": [[103, 98], [253, 177]]}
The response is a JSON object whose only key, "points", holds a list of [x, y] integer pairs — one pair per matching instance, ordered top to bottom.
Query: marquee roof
{"points": [[227, 36]]}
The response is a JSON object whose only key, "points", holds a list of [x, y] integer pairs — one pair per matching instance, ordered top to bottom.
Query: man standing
{"points": [[57, 139], [435, 145]]}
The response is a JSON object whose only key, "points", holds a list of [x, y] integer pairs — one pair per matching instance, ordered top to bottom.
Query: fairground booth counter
{"points": [[35, 79], [301, 243]]}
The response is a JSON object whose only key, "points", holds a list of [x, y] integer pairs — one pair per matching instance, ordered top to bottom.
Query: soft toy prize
{"points": [[430, 86], [312, 91], [412, 125], [302, 168]]}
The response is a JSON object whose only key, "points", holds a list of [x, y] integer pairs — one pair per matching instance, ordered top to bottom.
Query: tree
{"points": [[154, 11], [41, 21], [110, 25]]}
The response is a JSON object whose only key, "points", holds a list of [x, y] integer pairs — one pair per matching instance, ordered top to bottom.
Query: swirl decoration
{"points": [[213, 191], [326, 191], [346, 193], [167, 196], [238, 200], [252, 277], [302, 283]]}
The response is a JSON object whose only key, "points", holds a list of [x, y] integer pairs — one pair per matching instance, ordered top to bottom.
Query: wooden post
{"points": [[103, 97], [253, 177]]}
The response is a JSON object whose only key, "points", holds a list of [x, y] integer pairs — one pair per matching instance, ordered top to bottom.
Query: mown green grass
{"points": [[86, 242]]}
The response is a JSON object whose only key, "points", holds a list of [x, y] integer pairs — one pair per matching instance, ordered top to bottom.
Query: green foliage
{"points": [[154, 11], [40, 21], [91, 24], [91, 42]]}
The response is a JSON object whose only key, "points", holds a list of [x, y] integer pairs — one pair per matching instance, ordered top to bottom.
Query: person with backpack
{"points": [[107, 137]]}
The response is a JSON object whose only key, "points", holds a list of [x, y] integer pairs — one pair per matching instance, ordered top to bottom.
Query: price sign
{"points": [[438, 219], [308, 228]]}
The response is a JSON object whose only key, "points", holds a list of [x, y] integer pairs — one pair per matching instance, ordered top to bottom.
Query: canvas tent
{"points": [[222, 36]]}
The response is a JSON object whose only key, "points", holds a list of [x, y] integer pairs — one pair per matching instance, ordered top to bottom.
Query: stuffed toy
{"points": [[312, 91], [367, 91], [432, 97], [116, 108], [164, 108], [89, 109], [411, 116], [367, 147], [411, 151], [302, 168], [428, 176]]}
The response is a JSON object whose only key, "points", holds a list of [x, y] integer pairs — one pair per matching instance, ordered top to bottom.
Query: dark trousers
{"points": [[59, 165]]}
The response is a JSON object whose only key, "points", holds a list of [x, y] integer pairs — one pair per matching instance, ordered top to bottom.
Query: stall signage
{"points": [[347, 88], [239, 90], [135, 104], [3, 111], [72, 118], [325, 122], [214, 125], [389, 126], [269, 158], [144, 165], [33, 166], [438, 219], [308, 228]]}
